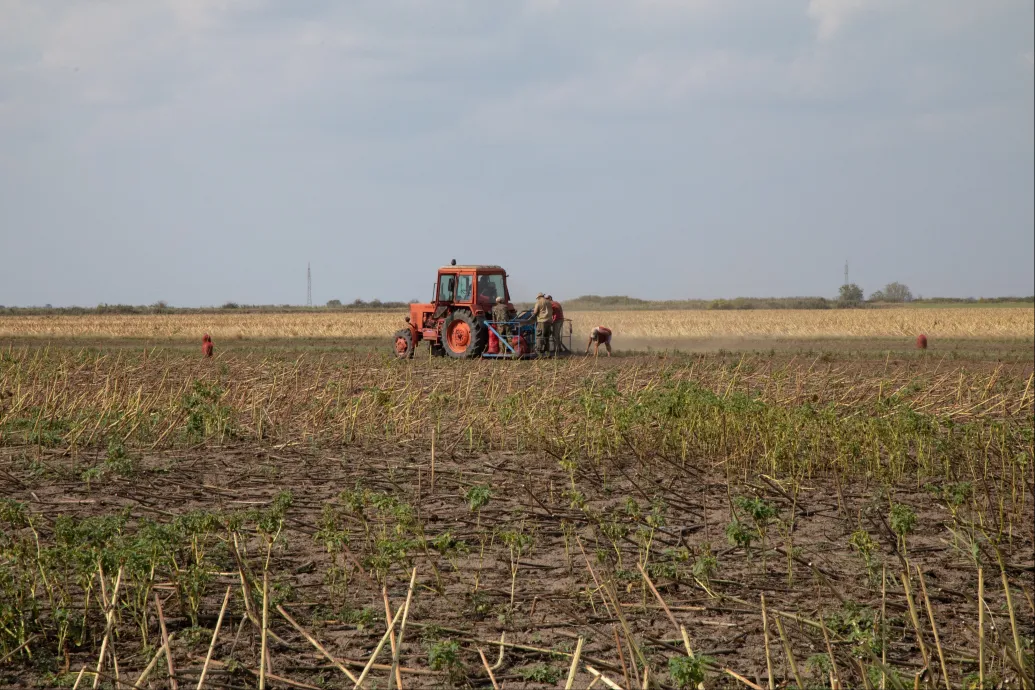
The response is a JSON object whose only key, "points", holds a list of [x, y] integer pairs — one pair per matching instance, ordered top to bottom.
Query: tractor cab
{"points": [[474, 287]]}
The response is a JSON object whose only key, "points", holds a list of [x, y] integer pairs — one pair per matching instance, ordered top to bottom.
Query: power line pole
{"points": [[846, 272], [308, 286]]}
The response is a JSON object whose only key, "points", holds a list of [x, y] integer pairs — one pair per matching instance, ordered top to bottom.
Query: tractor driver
{"points": [[486, 289], [599, 336]]}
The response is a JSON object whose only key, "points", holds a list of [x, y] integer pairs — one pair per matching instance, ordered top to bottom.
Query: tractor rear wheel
{"points": [[463, 336], [402, 344]]}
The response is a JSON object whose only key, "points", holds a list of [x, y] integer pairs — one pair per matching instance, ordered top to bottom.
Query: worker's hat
{"points": [[540, 295], [549, 297], [499, 300]]}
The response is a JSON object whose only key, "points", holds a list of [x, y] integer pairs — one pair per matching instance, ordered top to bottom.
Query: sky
{"points": [[205, 151]]}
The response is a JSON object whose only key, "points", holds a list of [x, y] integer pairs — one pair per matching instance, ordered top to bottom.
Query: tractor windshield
{"points": [[446, 285], [490, 287], [463, 290]]}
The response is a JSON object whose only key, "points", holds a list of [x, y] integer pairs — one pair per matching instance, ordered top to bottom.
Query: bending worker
{"points": [[543, 313], [599, 336]]}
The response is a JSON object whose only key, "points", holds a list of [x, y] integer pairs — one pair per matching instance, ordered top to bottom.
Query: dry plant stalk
{"points": [[109, 613], [915, 620], [981, 626], [934, 628], [765, 637], [312, 640], [165, 643], [212, 644], [164, 649], [1018, 649], [377, 650], [264, 652], [790, 654], [397, 655], [830, 655], [488, 669], [573, 669], [604, 679]]}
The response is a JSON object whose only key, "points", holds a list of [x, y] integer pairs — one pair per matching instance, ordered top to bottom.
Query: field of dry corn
{"points": [[781, 323], [290, 516]]}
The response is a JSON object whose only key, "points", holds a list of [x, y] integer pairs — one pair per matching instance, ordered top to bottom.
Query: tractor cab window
{"points": [[446, 286], [490, 287], [463, 289]]}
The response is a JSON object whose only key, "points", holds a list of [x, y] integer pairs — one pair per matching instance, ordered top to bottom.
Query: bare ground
{"points": [[824, 579]]}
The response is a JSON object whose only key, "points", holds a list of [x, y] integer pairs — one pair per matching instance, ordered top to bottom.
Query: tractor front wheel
{"points": [[463, 335], [402, 344]]}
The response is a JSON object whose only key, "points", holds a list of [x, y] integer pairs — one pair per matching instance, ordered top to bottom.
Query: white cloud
{"points": [[831, 15]]}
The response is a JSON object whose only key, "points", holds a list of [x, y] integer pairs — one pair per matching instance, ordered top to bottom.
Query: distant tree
{"points": [[897, 292], [850, 293], [877, 296], [334, 303], [231, 305], [160, 306]]}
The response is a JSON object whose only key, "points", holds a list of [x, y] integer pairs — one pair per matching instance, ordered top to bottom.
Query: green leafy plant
{"points": [[478, 497], [762, 513], [903, 520], [738, 534], [518, 543], [867, 548], [706, 564], [444, 656], [689, 672], [539, 673]]}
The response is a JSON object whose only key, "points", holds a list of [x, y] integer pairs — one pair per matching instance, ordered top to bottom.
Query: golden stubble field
{"points": [[945, 323]]}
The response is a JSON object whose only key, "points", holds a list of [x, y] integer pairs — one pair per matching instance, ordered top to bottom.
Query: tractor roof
{"points": [[480, 267]]}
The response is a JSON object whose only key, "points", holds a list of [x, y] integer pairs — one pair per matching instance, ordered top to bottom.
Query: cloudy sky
{"points": [[200, 151]]}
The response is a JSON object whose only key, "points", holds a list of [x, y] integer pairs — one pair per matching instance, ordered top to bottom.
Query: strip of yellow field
{"points": [[815, 323], [958, 323]]}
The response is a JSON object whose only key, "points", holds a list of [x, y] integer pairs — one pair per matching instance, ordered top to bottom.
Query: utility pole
{"points": [[846, 272], [308, 286]]}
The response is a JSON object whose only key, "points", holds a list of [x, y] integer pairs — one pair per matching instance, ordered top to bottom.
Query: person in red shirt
{"points": [[558, 325], [600, 336], [206, 346]]}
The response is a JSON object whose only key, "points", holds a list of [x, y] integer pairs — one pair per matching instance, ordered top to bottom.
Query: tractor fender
{"points": [[414, 331]]}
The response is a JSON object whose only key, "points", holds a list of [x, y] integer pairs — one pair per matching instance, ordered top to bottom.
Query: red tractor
{"points": [[454, 323]]}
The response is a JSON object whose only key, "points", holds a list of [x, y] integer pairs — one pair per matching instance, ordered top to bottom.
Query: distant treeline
{"points": [[623, 302], [582, 303], [233, 307]]}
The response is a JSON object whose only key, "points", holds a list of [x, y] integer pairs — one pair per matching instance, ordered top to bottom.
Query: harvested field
{"points": [[779, 323], [596, 508]]}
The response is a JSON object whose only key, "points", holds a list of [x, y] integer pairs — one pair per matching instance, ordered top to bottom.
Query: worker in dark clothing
{"points": [[543, 313], [500, 314], [558, 325]]}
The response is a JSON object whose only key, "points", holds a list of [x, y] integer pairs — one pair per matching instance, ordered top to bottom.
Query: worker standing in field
{"points": [[543, 313], [501, 314], [558, 325], [600, 336]]}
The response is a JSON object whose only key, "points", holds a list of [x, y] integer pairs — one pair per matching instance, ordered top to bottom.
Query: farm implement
{"points": [[458, 321]]}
